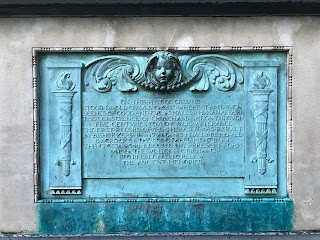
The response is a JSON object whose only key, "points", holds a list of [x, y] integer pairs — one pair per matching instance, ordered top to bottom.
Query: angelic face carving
{"points": [[163, 71]]}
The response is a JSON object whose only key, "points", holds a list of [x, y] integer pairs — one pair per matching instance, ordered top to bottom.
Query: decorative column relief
{"points": [[64, 95], [261, 105], [64, 131], [262, 143]]}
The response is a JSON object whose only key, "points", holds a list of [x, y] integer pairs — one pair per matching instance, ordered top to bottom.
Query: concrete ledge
{"points": [[173, 236]]}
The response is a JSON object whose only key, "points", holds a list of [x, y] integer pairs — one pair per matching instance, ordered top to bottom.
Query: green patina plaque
{"points": [[145, 134]]}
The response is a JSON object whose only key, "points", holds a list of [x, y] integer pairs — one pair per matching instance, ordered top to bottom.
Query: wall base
{"points": [[126, 217]]}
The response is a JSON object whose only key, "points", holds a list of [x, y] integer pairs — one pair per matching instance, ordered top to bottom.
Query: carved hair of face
{"points": [[163, 69]]}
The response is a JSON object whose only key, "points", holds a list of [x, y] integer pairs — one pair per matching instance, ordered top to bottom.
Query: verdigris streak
{"points": [[147, 133]]}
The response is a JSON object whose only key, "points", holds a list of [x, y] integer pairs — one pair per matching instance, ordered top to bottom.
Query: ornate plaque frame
{"points": [[256, 191]]}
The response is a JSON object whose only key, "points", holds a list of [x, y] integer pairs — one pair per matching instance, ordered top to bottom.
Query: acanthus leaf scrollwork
{"points": [[215, 69], [120, 71], [163, 71]]}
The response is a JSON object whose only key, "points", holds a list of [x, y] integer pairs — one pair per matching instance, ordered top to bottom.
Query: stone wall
{"points": [[19, 35]]}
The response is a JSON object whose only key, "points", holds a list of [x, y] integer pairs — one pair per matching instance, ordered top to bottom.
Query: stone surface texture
{"points": [[19, 35]]}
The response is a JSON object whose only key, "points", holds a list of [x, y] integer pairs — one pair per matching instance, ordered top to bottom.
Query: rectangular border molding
{"points": [[35, 86]]}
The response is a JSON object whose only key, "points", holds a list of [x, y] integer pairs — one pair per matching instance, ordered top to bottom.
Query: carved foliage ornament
{"points": [[163, 71]]}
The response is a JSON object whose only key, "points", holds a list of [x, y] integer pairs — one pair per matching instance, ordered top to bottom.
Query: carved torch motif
{"points": [[64, 94], [261, 94]]}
